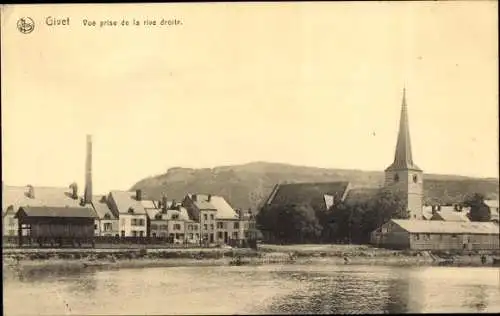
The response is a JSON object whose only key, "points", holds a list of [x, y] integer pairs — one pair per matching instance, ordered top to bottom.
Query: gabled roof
{"points": [[403, 158], [312, 194], [360, 195], [17, 196], [126, 200], [217, 203], [491, 203], [149, 204], [101, 207], [49, 211], [168, 214], [451, 216], [443, 227]]}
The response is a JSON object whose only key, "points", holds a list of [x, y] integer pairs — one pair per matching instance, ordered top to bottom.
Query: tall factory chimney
{"points": [[88, 172]]}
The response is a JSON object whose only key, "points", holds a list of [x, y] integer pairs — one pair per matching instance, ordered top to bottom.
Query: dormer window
{"points": [[396, 177], [131, 210], [106, 216]]}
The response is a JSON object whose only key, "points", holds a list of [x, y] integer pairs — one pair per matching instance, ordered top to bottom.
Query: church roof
{"points": [[403, 159]]}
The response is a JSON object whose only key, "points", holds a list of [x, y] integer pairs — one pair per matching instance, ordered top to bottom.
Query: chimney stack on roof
{"points": [[74, 190], [31, 191], [138, 195], [194, 197], [209, 197]]}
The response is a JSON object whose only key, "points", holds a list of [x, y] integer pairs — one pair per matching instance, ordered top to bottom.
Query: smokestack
{"points": [[88, 172], [138, 195], [209, 197]]}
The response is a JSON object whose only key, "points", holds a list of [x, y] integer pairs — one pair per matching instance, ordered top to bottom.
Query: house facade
{"points": [[128, 208], [219, 222], [106, 223], [437, 235]]}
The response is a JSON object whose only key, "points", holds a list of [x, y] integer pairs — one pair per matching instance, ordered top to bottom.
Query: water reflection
{"points": [[289, 289]]}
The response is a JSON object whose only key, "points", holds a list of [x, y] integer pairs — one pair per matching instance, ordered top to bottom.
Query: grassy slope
{"points": [[248, 185]]}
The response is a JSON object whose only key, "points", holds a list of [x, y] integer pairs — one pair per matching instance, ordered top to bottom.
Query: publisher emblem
{"points": [[25, 25]]}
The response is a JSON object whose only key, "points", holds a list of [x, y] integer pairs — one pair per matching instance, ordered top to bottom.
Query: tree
{"points": [[479, 211], [355, 221], [292, 223]]}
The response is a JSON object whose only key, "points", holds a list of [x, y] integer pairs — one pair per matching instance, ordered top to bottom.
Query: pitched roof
{"points": [[403, 158], [312, 194], [360, 195], [17, 196], [125, 200], [218, 203], [492, 203], [149, 204], [101, 207], [50, 211], [168, 214], [452, 216], [443, 227]]}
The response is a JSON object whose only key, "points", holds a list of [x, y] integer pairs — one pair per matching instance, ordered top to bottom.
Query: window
{"points": [[396, 177], [415, 178], [131, 210], [106, 216], [175, 216], [205, 216], [212, 216], [141, 222], [220, 225], [236, 225], [95, 226], [154, 226], [177, 226], [205, 226], [212, 226], [107, 227], [163, 227], [123, 233], [134, 233], [141, 233], [154, 235], [220, 235], [235, 235], [190, 236], [197, 236], [428, 236], [417, 237]]}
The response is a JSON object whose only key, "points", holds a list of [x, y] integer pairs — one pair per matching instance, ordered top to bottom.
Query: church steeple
{"points": [[403, 159]]}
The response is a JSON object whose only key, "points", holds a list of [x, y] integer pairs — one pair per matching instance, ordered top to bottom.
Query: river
{"points": [[254, 289]]}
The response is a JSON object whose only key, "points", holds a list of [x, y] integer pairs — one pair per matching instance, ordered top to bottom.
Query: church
{"points": [[405, 178], [417, 233]]}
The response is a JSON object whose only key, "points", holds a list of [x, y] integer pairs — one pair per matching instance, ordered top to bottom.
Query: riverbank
{"points": [[23, 260]]}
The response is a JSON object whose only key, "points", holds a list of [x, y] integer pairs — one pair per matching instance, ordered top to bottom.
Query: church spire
{"points": [[403, 159]]}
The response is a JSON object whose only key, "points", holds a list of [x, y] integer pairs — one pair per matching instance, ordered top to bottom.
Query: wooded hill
{"points": [[248, 185]]}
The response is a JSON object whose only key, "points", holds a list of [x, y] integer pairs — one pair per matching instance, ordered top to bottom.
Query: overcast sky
{"points": [[316, 84]]}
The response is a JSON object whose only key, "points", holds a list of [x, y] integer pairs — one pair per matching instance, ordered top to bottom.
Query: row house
{"points": [[128, 208], [168, 219], [219, 222]]}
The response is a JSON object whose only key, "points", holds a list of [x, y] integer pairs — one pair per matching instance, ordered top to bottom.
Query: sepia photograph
{"points": [[250, 158]]}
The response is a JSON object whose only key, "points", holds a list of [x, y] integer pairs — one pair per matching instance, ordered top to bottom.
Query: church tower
{"points": [[403, 175]]}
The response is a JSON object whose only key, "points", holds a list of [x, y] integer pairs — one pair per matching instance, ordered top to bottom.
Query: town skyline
{"points": [[290, 94]]}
